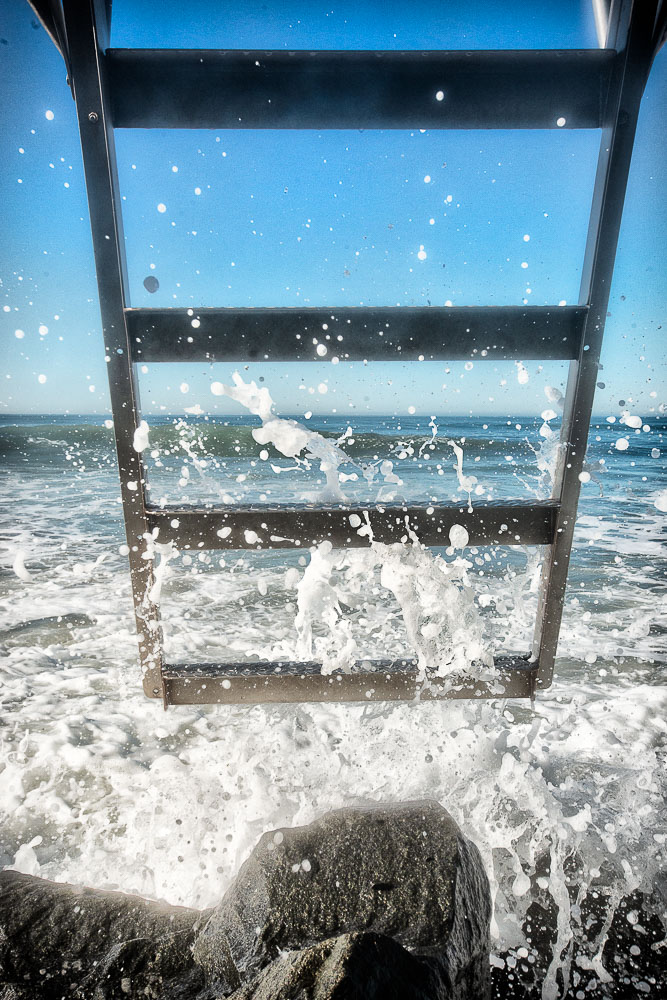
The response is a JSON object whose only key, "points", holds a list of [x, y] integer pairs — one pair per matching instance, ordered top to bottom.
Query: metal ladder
{"points": [[130, 88]]}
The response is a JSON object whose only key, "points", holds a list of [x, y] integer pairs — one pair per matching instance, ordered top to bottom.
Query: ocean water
{"points": [[565, 799]]}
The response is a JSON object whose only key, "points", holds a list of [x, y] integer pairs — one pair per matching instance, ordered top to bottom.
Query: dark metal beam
{"points": [[50, 15], [86, 24], [182, 88], [356, 334], [519, 523], [378, 680]]}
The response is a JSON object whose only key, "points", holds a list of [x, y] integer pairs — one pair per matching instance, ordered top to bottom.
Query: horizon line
{"points": [[109, 416]]}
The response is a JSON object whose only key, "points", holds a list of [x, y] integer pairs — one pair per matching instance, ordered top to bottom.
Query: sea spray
{"points": [[289, 437], [140, 440], [304, 445], [466, 483], [161, 554], [434, 600], [319, 601], [437, 605], [438, 608], [568, 800]]}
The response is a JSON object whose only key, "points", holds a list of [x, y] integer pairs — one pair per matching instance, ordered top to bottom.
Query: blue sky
{"points": [[319, 218]]}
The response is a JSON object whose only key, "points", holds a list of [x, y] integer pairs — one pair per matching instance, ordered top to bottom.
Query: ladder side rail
{"points": [[632, 28], [87, 29]]}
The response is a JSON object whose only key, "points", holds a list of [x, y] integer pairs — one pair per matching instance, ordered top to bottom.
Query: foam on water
{"points": [[99, 786]]}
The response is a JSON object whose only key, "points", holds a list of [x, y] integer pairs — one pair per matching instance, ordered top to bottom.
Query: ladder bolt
{"points": [[93, 116]]}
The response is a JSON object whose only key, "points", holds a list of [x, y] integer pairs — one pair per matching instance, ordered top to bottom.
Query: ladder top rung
{"points": [[204, 88]]}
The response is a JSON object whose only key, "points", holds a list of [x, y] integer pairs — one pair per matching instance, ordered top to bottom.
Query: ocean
{"points": [[566, 800]]}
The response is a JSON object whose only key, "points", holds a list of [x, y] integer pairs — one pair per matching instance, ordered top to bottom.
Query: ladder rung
{"points": [[202, 88], [389, 333], [517, 523], [377, 680]]}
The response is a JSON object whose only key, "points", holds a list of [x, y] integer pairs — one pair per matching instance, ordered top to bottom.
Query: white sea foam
{"points": [[140, 440], [466, 483], [660, 502], [19, 567], [100, 786]]}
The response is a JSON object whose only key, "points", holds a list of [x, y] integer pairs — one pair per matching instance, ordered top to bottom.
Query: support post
{"points": [[87, 26], [631, 26]]}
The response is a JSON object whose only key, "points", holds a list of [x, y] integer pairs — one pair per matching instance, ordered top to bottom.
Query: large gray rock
{"points": [[405, 872], [61, 940], [360, 966]]}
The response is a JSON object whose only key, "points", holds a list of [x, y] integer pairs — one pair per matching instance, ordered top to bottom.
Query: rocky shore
{"points": [[390, 902]]}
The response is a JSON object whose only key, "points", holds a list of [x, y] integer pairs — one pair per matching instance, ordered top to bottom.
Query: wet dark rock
{"points": [[404, 872], [387, 902], [58, 939], [360, 966]]}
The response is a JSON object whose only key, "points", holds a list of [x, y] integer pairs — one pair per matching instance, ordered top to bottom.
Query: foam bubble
{"points": [[140, 440], [458, 536]]}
